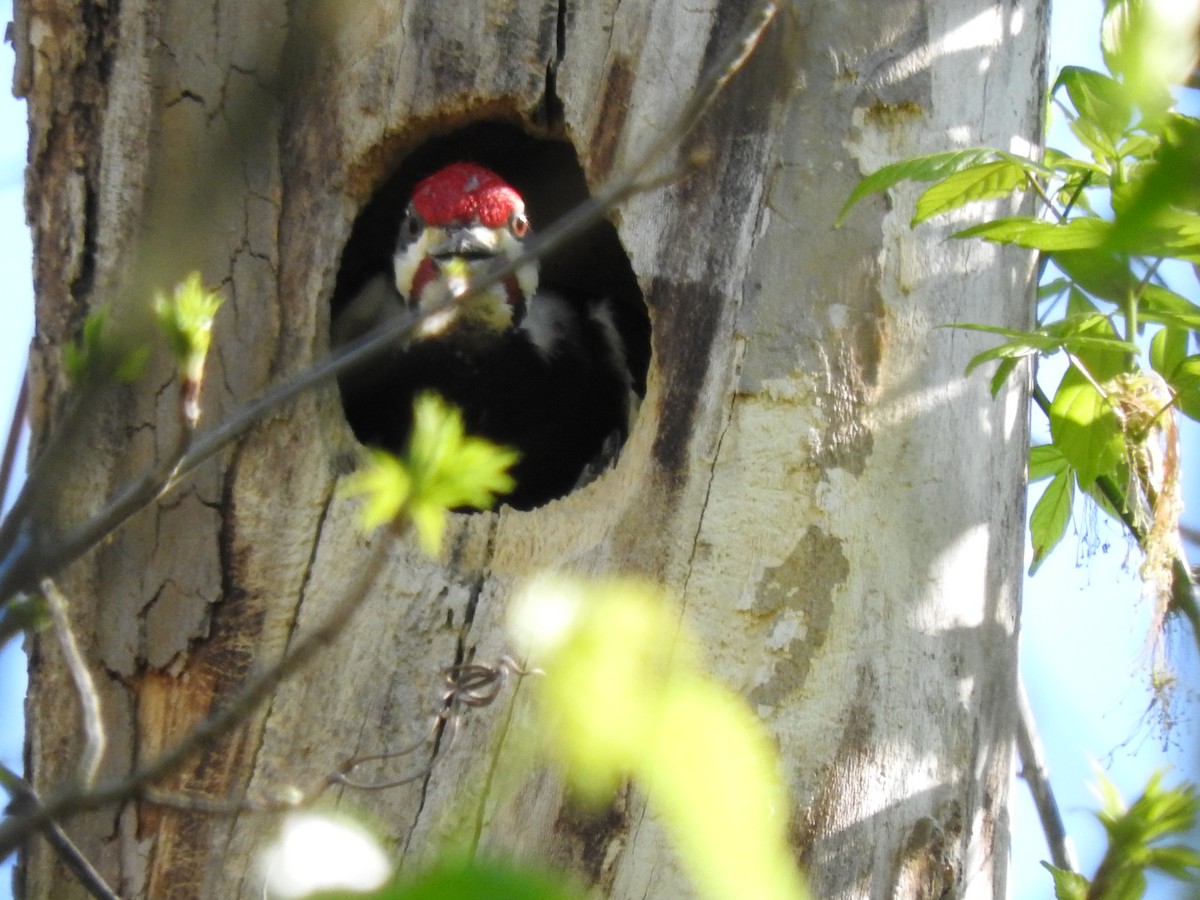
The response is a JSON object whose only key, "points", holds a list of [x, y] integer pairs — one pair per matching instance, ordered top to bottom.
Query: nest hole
{"points": [[547, 174]]}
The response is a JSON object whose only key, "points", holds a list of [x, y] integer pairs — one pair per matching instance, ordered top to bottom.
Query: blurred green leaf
{"points": [[1149, 47], [1093, 136], [1057, 161], [1098, 271], [1158, 304], [99, 356], [624, 695], [1135, 834], [473, 880], [1068, 885]]}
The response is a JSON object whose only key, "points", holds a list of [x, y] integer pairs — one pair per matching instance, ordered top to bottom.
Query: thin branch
{"points": [[1041, 192], [13, 441], [85, 687], [1033, 770], [25, 799]]}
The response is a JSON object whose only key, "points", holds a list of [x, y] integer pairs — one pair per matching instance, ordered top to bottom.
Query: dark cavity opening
{"points": [[590, 267]]}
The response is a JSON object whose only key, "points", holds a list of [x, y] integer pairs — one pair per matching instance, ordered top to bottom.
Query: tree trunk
{"points": [[837, 511]]}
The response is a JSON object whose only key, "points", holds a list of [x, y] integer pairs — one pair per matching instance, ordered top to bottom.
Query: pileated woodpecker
{"points": [[545, 374]]}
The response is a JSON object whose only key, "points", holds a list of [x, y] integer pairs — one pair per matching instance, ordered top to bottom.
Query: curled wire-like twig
{"points": [[465, 687]]}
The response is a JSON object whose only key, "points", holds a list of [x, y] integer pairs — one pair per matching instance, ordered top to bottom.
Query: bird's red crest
{"points": [[465, 193]]}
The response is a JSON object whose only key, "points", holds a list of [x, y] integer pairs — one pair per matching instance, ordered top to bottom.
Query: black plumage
{"points": [[544, 374]]}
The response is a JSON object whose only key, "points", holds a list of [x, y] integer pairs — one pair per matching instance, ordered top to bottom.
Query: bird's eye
{"points": [[518, 223], [411, 227]]}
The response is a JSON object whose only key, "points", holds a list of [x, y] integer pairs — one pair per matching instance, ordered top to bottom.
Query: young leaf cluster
{"points": [[443, 469], [1137, 843]]}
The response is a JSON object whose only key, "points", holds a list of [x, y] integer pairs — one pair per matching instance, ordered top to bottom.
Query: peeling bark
{"points": [[838, 512]]}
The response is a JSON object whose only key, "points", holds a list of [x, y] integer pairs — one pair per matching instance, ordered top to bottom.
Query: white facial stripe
{"points": [[407, 259], [490, 307]]}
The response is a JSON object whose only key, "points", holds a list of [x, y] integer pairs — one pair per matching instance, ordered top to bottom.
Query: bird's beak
{"points": [[470, 244]]}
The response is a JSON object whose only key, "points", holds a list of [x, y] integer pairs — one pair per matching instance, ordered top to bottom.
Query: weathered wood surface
{"points": [[836, 509]]}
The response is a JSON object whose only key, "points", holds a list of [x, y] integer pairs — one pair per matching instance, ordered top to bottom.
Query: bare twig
{"points": [[1045, 198], [13, 441], [469, 686], [85, 687], [1033, 770], [25, 799]]}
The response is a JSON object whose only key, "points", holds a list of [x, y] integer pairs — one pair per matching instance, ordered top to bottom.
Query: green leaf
{"points": [[1147, 46], [1098, 99], [1093, 137], [1139, 147], [1058, 161], [932, 167], [984, 181], [1024, 231], [1165, 232], [1098, 271], [1049, 289], [1080, 304], [1158, 304], [187, 318], [1070, 333], [1090, 337], [1168, 348], [1009, 352], [1000, 376], [1185, 380], [1085, 428], [1045, 460], [443, 469], [1048, 521], [1134, 832], [1175, 860], [1068, 885]]}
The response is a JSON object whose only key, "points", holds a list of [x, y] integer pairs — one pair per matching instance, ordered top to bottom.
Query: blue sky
{"points": [[1083, 630]]}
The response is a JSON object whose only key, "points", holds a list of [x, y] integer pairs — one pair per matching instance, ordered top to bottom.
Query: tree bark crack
{"points": [[739, 345]]}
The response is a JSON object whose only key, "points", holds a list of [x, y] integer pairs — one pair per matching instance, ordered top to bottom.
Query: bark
{"points": [[837, 511]]}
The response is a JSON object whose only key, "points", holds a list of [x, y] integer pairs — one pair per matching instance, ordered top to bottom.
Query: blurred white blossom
{"points": [[318, 852]]}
